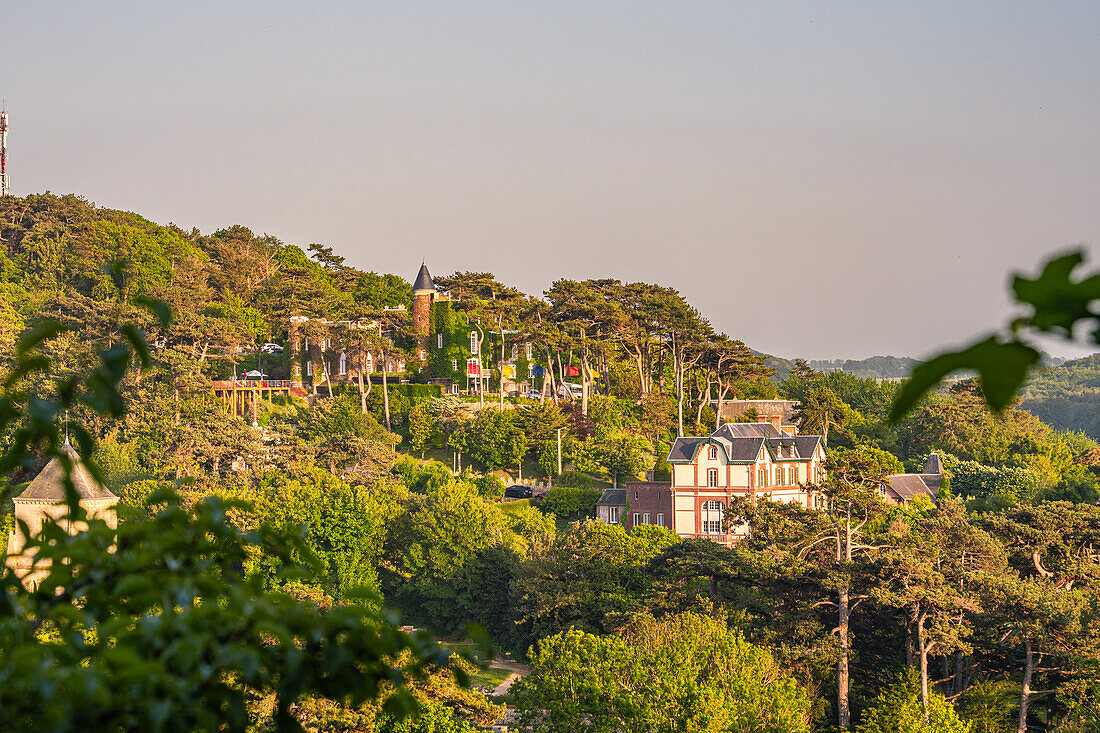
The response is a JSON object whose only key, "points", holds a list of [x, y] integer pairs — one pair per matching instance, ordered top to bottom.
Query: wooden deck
{"points": [[242, 395]]}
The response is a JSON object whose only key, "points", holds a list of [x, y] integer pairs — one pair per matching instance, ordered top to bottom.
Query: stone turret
{"points": [[45, 497]]}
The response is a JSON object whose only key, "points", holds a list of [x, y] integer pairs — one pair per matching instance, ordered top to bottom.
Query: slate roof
{"points": [[423, 279], [749, 430], [742, 443], [49, 485], [909, 486], [612, 497]]}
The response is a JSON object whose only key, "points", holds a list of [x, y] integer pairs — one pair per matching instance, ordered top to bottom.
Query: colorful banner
{"points": [[473, 368]]}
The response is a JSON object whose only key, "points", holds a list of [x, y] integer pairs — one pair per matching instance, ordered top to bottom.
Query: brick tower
{"points": [[424, 293]]}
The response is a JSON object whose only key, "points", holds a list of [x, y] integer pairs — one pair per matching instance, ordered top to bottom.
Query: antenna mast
{"points": [[5, 185]]}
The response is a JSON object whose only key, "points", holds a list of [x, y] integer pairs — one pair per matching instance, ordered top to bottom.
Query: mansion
{"points": [[765, 459], [747, 460]]}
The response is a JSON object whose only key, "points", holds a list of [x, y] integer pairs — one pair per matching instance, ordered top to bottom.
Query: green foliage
{"points": [[492, 439], [571, 503], [342, 525], [428, 547], [590, 575], [153, 626], [679, 673], [990, 706], [897, 709]]}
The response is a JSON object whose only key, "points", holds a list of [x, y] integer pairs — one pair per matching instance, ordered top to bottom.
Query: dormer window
{"points": [[712, 452]]}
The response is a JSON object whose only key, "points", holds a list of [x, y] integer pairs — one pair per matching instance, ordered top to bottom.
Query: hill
{"points": [[875, 367], [1066, 397]]}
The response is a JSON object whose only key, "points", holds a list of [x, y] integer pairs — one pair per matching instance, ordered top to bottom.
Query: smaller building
{"points": [[779, 413], [902, 488], [44, 498], [637, 503]]}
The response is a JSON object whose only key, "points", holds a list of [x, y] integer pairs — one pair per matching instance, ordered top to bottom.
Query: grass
{"points": [[487, 677], [490, 677]]}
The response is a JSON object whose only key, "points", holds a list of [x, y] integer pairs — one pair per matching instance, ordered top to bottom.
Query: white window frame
{"points": [[439, 340], [473, 342], [343, 364], [712, 452], [712, 478], [713, 513], [613, 515], [645, 518], [660, 519], [637, 521]]}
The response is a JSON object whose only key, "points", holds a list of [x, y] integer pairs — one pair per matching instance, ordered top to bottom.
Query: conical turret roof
{"points": [[423, 279], [49, 485]]}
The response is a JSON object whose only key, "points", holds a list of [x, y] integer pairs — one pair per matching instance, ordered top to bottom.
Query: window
{"points": [[439, 340], [473, 342], [527, 351], [514, 352], [369, 361], [343, 363], [454, 364], [309, 368], [712, 452], [795, 471], [817, 474], [778, 475], [761, 477], [712, 478], [635, 494], [713, 512], [613, 515], [645, 518], [660, 519], [636, 522]]}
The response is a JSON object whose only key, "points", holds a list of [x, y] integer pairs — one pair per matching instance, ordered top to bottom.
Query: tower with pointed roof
{"points": [[424, 293], [44, 498]]}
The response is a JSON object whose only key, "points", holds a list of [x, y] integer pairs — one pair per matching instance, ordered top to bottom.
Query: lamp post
{"points": [[559, 451]]}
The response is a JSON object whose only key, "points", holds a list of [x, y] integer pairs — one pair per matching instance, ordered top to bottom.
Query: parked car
{"points": [[271, 349], [571, 389], [534, 394], [517, 492]]}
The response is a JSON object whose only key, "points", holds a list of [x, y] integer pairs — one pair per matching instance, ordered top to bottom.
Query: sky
{"points": [[833, 180]]}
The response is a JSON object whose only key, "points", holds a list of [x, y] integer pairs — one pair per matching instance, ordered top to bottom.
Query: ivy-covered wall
{"points": [[455, 330]]}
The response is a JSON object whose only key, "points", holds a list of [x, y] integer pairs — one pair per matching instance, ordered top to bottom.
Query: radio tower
{"points": [[4, 185]]}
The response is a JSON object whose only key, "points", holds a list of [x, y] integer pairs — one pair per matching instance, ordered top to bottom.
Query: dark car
{"points": [[517, 492]]}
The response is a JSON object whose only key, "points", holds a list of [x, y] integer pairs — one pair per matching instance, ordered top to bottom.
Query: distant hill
{"points": [[876, 367], [1066, 397]]}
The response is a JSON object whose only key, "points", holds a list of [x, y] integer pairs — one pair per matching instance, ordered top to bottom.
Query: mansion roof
{"points": [[742, 443]]}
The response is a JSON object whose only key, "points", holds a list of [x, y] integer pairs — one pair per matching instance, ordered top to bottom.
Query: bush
{"points": [[570, 503], [991, 707], [897, 709]]}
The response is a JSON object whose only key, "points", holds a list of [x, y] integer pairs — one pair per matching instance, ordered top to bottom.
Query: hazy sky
{"points": [[821, 181]]}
